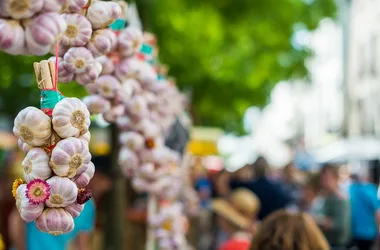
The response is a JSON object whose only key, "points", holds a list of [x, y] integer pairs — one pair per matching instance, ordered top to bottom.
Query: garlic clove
{"points": [[20, 9], [102, 14], [47, 28], [78, 31], [12, 37], [102, 41], [130, 41], [78, 60], [107, 65], [64, 76], [89, 76], [108, 86], [97, 104], [114, 113], [70, 118], [32, 126], [132, 140], [25, 147], [70, 157], [36, 165], [83, 179], [63, 192], [75, 209], [28, 211], [55, 221]]}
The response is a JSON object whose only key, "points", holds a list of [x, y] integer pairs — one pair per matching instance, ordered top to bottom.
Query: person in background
{"points": [[290, 181], [201, 182], [365, 213], [237, 217], [335, 222], [284, 230]]}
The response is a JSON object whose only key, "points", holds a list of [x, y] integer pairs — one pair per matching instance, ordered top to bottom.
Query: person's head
{"points": [[260, 167], [290, 171], [245, 173], [330, 177], [311, 188], [283, 230]]}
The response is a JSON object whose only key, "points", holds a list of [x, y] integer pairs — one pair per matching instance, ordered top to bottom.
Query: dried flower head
{"points": [[18, 182], [37, 191], [83, 195]]}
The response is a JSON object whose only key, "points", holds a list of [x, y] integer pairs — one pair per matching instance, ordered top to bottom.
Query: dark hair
{"points": [[260, 167]]}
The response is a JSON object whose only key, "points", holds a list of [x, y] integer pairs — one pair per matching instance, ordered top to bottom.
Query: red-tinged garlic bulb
{"points": [[53, 5], [20, 9], [102, 14], [78, 31], [12, 37], [130, 41], [101, 42], [78, 60], [107, 65], [64, 76], [89, 76], [108, 86], [97, 104], [138, 106], [114, 113], [70, 118], [32, 126], [86, 137], [132, 140], [25, 147], [70, 157], [128, 161], [36, 165], [83, 179], [63, 192], [75, 209], [28, 211], [55, 221]]}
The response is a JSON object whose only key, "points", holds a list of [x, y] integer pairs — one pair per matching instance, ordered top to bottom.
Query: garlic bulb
{"points": [[53, 5], [77, 6], [20, 9], [102, 14], [78, 31], [12, 37], [102, 41], [130, 41], [32, 45], [61, 50], [78, 60], [107, 65], [128, 68], [64, 76], [89, 76], [108, 86], [91, 88], [97, 104], [138, 106], [114, 113], [70, 118], [123, 122], [32, 126], [148, 129], [86, 137], [132, 140], [25, 147], [146, 156], [70, 157], [128, 161], [36, 165], [83, 179], [63, 192], [75, 209], [28, 211], [55, 221]]}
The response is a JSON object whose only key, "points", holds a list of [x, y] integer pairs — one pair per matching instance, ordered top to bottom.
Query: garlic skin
{"points": [[53, 5], [17, 9], [102, 14], [78, 31], [12, 37], [130, 41], [101, 42], [78, 60], [107, 65], [64, 76], [89, 76], [108, 86], [97, 104], [114, 113], [70, 118], [32, 126], [132, 140], [25, 147], [70, 157], [128, 161], [36, 165], [84, 179], [63, 192], [75, 209], [28, 211], [55, 221]]}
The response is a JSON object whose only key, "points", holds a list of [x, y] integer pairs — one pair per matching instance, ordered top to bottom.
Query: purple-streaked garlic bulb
{"points": [[53, 5], [77, 6], [20, 9], [102, 14], [78, 31], [12, 37], [130, 41], [101, 42], [78, 60], [107, 65], [64, 76], [89, 76], [108, 86], [97, 104], [138, 106], [114, 113], [70, 118], [32, 126], [86, 137], [132, 140], [25, 147], [70, 157], [128, 161], [36, 165], [83, 179], [63, 192], [75, 209], [28, 211], [55, 221]]}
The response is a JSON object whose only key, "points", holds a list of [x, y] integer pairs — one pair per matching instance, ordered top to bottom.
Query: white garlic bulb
{"points": [[20, 9], [102, 14], [78, 31], [12, 37], [130, 41], [101, 42], [78, 60], [107, 65], [128, 68], [90, 75], [64, 76], [108, 86], [97, 104], [138, 106], [114, 113], [70, 118], [32, 126], [148, 129], [86, 137], [132, 140], [25, 147], [70, 157], [128, 161], [36, 165], [83, 179], [63, 192], [75, 209], [28, 211], [55, 221]]}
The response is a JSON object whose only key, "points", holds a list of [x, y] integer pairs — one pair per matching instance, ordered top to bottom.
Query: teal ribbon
{"points": [[119, 24], [146, 49], [160, 77], [49, 98]]}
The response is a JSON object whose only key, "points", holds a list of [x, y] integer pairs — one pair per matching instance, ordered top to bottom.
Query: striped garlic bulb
{"points": [[36, 165], [63, 192], [55, 221]]}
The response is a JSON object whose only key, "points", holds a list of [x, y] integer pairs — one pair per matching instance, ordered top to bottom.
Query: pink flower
{"points": [[37, 191]]}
